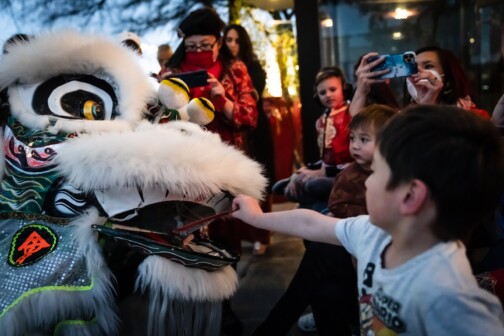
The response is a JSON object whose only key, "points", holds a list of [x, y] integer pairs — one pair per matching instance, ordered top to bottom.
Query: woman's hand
{"points": [[364, 78], [428, 85], [216, 88], [218, 97]]}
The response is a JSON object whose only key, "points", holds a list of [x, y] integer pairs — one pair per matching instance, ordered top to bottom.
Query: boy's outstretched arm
{"points": [[302, 223]]}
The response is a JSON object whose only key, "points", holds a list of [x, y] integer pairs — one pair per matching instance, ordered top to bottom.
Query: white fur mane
{"points": [[179, 156]]}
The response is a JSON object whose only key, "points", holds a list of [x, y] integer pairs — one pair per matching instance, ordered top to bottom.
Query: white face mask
{"points": [[412, 89]]}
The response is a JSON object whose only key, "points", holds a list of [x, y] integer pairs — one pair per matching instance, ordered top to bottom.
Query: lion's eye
{"points": [[72, 96], [83, 104], [92, 110]]}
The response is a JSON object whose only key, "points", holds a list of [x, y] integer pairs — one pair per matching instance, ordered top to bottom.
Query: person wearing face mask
{"points": [[238, 46], [440, 80], [229, 85]]}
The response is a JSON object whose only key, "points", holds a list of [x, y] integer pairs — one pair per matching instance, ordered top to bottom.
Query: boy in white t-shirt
{"points": [[437, 173]]}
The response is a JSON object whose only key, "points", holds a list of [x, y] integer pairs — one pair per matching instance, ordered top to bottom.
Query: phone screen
{"points": [[400, 65], [193, 78]]}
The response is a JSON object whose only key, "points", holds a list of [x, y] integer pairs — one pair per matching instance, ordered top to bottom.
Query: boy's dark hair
{"points": [[328, 72], [375, 115], [458, 155]]}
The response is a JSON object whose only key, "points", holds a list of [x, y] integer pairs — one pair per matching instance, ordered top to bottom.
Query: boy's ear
{"points": [[416, 196]]}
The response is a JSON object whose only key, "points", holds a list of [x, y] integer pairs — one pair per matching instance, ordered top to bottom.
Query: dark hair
{"points": [[203, 21], [14, 39], [246, 53], [177, 57], [328, 72], [456, 84], [375, 115], [458, 155]]}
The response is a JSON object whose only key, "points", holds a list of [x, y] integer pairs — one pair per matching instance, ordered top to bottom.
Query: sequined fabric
{"points": [[63, 269]]}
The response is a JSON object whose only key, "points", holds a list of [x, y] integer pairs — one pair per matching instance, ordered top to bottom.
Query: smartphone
{"points": [[400, 65], [193, 78]]}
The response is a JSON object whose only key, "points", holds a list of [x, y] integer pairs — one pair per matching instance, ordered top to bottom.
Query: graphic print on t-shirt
{"points": [[366, 310], [386, 312], [379, 313], [366, 315]]}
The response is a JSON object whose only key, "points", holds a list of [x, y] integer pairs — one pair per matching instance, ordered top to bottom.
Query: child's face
{"points": [[330, 92], [362, 145], [383, 205]]}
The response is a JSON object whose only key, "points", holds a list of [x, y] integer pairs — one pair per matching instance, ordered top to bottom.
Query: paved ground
{"points": [[263, 279]]}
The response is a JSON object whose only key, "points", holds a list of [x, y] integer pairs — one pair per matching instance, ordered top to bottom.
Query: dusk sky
{"points": [[11, 24]]}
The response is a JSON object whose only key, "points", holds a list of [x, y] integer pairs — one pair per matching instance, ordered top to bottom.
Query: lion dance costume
{"points": [[93, 192]]}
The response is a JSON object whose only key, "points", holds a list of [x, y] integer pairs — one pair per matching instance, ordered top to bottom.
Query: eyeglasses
{"points": [[202, 47]]}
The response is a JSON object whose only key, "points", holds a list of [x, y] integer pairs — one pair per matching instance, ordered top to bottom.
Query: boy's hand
{"points": [[306, 174], [247, 209]]}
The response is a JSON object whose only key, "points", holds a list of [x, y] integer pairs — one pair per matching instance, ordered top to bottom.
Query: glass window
{"points": [[472, 30]]}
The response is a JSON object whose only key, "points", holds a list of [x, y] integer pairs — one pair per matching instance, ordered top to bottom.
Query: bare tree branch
{"points": [[136, 15]]}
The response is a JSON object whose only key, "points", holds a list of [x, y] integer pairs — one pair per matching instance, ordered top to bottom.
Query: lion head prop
{"points": [[92, 195]]}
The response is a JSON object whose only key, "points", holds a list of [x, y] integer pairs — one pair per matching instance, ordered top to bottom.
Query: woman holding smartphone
{"points": [[440, 80], [229, 85]]}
